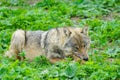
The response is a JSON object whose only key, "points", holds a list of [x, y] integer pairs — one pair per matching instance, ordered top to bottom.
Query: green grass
{"points": [[102, 17]]}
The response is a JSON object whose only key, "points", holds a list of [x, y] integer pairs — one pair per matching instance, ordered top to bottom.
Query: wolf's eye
{"points": [[84, 45], [76, 49]]}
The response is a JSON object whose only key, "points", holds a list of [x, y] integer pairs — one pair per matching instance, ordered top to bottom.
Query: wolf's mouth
{"points": [[77, 55]]}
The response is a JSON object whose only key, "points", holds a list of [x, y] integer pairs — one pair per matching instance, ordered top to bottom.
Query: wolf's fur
{"points": [[54, 43]]}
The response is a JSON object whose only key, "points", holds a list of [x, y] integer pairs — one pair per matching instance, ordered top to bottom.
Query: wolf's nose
{"points": [[86, 59]]}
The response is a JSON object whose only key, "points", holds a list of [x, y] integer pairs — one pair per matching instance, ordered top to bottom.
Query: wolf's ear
{"points": [[85, 30], [67, 32]]}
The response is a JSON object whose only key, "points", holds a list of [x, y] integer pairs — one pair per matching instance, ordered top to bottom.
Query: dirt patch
{"points": [[32, 2], [110, 16], [75, 20]]}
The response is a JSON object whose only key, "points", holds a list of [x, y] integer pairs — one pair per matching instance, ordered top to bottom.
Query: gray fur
{"points": [[54, 43]]}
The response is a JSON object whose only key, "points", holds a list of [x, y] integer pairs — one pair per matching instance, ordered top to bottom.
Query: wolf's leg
{"points": [[12, 53], [53, 57], [54, 60]]}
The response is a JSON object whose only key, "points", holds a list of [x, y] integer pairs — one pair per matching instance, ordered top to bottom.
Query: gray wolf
{"points": [[54, 44]]}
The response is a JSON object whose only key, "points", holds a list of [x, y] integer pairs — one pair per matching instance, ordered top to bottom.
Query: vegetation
{"points": [[102, 17]]}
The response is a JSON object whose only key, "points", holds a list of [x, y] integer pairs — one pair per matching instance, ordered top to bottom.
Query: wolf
{"points": [[55, 44]]}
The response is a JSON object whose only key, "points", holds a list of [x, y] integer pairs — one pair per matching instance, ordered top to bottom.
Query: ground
{"points": [[103, 19]]}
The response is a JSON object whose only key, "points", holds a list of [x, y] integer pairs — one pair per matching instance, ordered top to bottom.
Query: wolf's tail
{"points": [[17, 43]]}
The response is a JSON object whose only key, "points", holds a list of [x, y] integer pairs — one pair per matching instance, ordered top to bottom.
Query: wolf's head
{"points": [[78, 43]]}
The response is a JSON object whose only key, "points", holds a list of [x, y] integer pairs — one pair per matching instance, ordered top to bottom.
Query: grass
{"points": [[102, 17]]}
